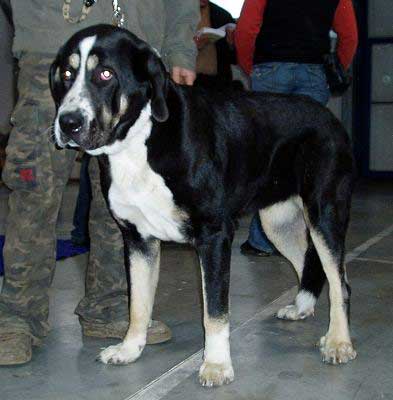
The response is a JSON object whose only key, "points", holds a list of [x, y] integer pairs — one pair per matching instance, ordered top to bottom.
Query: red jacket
{"points": [[251, 19]]}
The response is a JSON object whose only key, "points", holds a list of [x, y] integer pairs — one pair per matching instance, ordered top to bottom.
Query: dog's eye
{"points": [[67, 75], [106, 75]]}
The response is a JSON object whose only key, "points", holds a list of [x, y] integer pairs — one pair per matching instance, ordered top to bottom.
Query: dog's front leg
{"points": [[215, 256], [143, 264]]}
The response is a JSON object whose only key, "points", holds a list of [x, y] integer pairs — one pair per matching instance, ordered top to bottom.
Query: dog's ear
{"points": [[146, 64], [158, 78], [54, 82]]}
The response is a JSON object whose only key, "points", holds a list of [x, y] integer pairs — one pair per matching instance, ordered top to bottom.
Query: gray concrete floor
{"points": [[272, 359]]}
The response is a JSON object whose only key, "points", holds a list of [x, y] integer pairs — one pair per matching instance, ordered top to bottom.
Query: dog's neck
{"points": [[136, 135], [130, 154]]}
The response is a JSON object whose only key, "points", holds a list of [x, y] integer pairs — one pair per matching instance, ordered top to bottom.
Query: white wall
{"points": [[233, 6]]}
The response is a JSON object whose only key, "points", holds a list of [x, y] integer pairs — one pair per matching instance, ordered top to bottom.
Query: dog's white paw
{"points": [[293, 313], [336, 352], [122, 353], [215, 374]]}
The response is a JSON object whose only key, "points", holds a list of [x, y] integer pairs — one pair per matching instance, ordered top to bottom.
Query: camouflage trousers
{"points": [[37, 174]]}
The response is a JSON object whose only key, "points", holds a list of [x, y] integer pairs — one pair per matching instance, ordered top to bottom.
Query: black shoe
{"points": [[249, 250]]}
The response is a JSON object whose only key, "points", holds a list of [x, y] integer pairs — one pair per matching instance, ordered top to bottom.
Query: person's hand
{"points": [[230, 36], [201, 41], [183, 76]]}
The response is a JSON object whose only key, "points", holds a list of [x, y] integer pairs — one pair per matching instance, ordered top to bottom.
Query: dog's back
{"points": [[271, 145]]}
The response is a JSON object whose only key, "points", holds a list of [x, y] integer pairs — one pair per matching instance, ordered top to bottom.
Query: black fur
{"points": [[224, 153]]}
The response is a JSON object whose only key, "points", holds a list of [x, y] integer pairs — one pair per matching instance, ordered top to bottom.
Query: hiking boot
{"points": [[158, 332], [15, 348]]}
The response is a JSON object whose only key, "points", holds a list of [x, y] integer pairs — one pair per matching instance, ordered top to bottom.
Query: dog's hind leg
{"points": [[328, 224], [285, 226], [214, 252], [143, 264], [311, 283]]}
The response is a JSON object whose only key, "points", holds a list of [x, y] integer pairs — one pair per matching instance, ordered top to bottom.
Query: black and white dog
{"points": [[182, 164]]}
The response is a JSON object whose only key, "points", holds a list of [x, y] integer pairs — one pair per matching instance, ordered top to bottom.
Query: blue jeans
{"points": [[291, 78]]}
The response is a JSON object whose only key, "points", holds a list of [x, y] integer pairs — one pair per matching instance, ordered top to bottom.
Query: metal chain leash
{"points": [[84, 12], [118, 15], [118, 18]]}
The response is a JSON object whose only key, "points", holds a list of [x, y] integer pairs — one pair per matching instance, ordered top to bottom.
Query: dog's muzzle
{"points": [[71, 123], [70, 127]]}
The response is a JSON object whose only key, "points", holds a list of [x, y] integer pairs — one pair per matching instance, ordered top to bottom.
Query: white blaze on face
{"points": [[77, 98]]}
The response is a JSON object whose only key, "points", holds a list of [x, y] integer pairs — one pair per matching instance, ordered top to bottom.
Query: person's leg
{"points": [[276, 78], [311, 81], [7, 93], [36, 173], [80, 233], [257, 242], [106, 298], [103, 312]]}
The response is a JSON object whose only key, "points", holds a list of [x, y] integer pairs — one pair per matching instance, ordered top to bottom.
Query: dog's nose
{"points": [[71, 122]]}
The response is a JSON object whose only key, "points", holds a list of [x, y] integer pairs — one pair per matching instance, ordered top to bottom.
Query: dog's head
{"points": [[104, 81]]}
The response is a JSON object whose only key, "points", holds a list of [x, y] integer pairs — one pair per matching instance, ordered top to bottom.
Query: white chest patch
{"points": [[139, 195]]}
